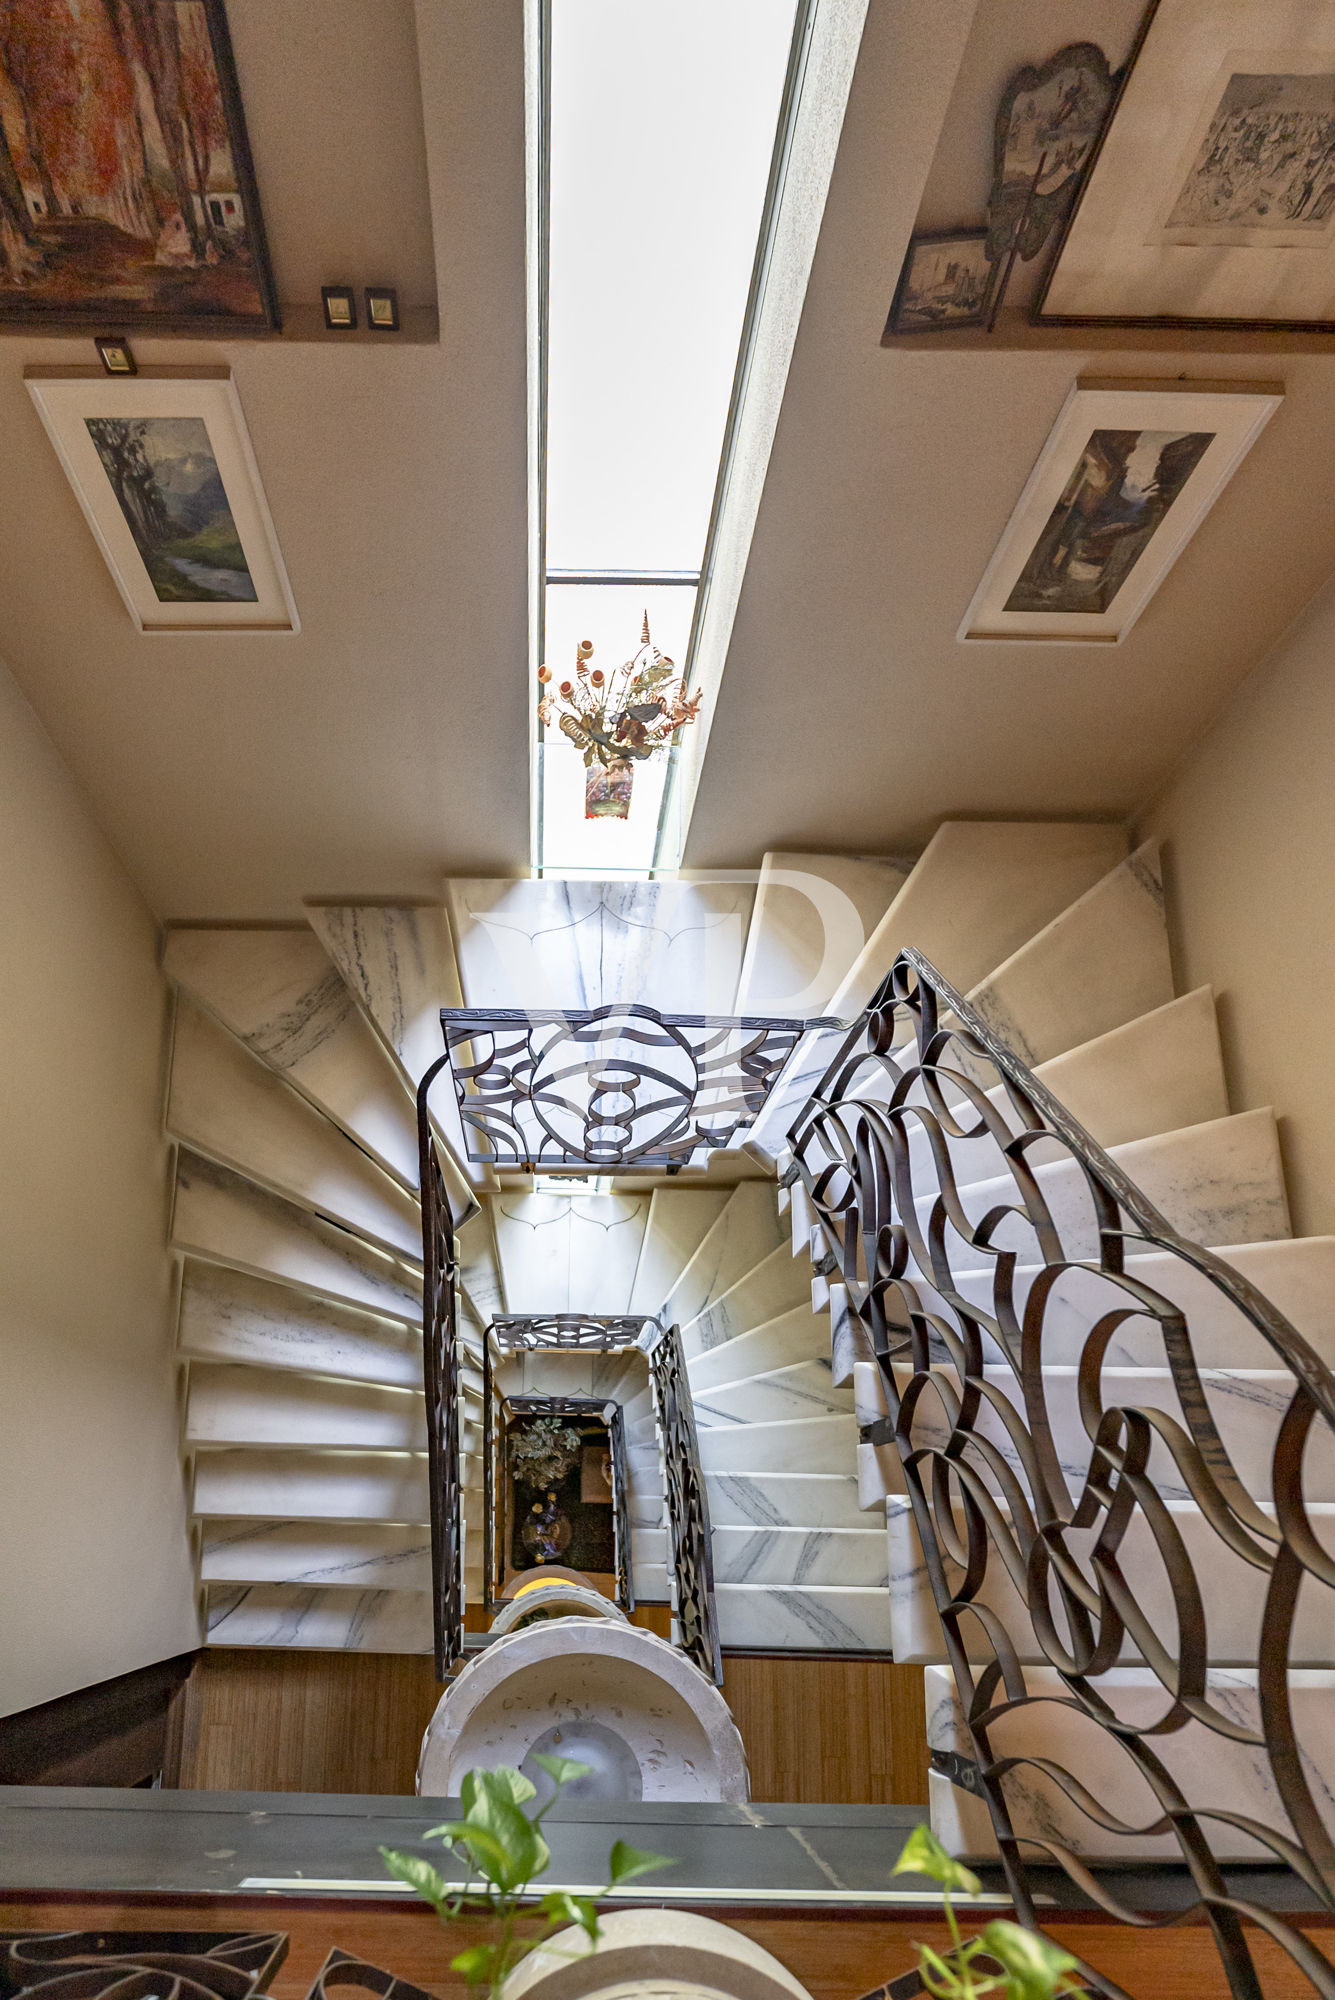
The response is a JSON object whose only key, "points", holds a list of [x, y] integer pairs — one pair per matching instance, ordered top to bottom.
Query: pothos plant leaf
{"points": [[561, 1770], [923, 1854], [625, 1862], [418, 1873], [1035, 1967]]}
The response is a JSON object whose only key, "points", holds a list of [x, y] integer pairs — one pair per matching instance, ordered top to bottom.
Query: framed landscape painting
{"points": [[127, 196], [1211, 199], [946, 281], [163, 469], [1126, 477]]}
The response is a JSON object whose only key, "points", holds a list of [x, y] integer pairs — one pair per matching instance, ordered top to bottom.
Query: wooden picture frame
{"points": [[1194, 212], [128, 214], [938, 302], [162, 466], [1129, 471]]}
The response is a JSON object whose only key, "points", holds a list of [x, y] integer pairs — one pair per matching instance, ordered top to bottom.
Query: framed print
{"points": [[1047, 123], [127, 195], [1211, 199], [946, 282], [163, 468], [1124, 480]]}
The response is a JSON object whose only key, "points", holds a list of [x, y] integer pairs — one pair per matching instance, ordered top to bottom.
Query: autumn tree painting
{"points": [[125, 185]]}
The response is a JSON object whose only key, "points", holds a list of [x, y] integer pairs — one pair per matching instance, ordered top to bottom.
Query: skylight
{"points": [[662, 125]]}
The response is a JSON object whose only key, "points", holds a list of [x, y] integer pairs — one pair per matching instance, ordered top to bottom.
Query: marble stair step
{"points": [[979, 890], [813, 914], [1099, 963], [278, 993], [767, 1138], [222, 1216], [679, 1219], [744, 1233], [569, 1253], [479, 1268], [773, 1286], [227, 1315], [799, 1335], [850, 1342], [620, 1377], [804, 1388], [233, 1405], [809, 1444], [312, 1486], [805, 1500], [648, 1547], [854, 1557], [360, 1558], [652, 1582], [1233, 1593], [826, 1618], [319, 1620], [1212, 1771]]}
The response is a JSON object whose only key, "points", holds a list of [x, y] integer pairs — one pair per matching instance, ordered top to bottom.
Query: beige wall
{"points": [[1248, 822], [95, 1576]]}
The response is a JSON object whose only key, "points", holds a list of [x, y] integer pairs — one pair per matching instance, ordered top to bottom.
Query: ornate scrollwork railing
{"points": [[613, 1088], [566, 1331], [440, 1381], [1073, 1456], [692, 1561]]}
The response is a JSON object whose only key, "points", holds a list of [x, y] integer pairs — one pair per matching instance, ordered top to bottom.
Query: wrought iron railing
{"points": [[611, 1089], [566, 1331], [440, 1381], [498, 1484], [1072, 1547], [692, 1561]]}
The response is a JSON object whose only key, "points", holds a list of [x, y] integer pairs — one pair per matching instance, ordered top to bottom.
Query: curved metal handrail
{"points": [[440, 1382], [689, 1541], [1032, 1561]]}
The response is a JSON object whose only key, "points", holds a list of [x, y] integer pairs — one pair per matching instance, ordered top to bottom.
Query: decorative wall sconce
{"points": [[340, 308], [382, 308], [115, 355]]}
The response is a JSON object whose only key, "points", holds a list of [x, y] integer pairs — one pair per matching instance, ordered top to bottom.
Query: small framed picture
{"points": [[946, 282], [382, 308], [162, 466]]}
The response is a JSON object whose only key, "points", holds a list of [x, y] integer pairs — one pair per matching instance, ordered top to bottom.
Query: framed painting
{"points": [[1048, 120], [127, 195], [1211, 199], [946, 282], [162, 467], [1126, 477]]}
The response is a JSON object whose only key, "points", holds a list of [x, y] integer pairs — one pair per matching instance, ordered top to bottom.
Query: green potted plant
{"points": [[502, 1850], [1004, 1958]]}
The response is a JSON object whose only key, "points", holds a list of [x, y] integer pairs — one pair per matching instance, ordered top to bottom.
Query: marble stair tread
{"points": [[978, 891], [813, 914], [582, 944], [1098, 964], [277, 991], [1157, 1073], [799, 1077], [227, 1103], [222, 1216], [678, 1221], [746, 1230], [568, 1253], [479, 1267], [773, 1286], [228, 1315], [799, 1335], [850, 1341], [620, 1378], [804, 1388], [234, 1405], [808, 1444], [258, 1484], [804, 1500], [648, 1547], [854, 1557], [359, 1558], [652, 1584], [1233, 1594], [826, 1618], [319, 1620], [1212, 1770]]}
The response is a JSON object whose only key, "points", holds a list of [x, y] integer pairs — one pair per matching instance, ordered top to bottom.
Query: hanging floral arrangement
{"points": [[617, 720]]}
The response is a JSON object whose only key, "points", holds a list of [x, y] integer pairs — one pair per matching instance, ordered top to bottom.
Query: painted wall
{"points": [[1248, 821], [95, 1574]]}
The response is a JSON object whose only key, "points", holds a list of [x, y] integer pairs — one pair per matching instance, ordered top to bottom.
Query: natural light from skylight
{"points": [[663, 119]]}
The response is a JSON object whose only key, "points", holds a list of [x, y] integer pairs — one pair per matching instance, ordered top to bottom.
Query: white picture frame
{"points": [[1128, 472], [186, 532]]}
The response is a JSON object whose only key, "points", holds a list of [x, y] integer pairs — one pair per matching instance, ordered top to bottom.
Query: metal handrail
{"points": [[440, 1382], [687, 1507], [996, 1511]]}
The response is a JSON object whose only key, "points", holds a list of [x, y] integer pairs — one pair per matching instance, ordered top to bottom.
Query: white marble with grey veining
{"points": [[813, 914], [672, 945], [398, 963], [1157, 1073], [800, 1075], [226, 1218], [678, 1221], [745, 1232], [568, 1253], [479, 1268], [772, 1287], [228, 1315], [790, 1337], [849, 1340], [804, 1388], [235, 1405], [807, 1444], [268, 1484], [784, 1500], [343, 1555], [853, 1557], [817, 1617], [328, 1620]]}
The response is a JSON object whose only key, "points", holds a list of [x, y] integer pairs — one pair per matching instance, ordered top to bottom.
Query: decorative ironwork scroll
{"points": [[614, 1088], [597, 1331], [440, 1377], [1117, 1457], [495, 1489], [687, 1507], [139, 1965], [341, 1969]]}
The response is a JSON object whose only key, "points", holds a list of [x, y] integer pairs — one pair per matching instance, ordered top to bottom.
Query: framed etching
{"points": [[127, 196], [1211, 199], [946, 281], [162, 466], [1123, 482]]}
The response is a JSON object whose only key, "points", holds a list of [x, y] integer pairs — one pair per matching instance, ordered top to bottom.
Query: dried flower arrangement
{"points": [[617, 719], [544, 1452]]}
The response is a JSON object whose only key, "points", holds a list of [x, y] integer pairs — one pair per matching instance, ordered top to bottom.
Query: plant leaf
{"points": [[559, 1769], [506, 1782], [515, 1849], [488, 1852], [923, 1854], [625, 1862], [418, 1873], [561, 1907], [476, 1963], [1033, 1964]]}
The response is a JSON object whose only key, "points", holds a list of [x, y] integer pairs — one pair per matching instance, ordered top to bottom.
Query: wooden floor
{"points": [[843, 1732]]}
